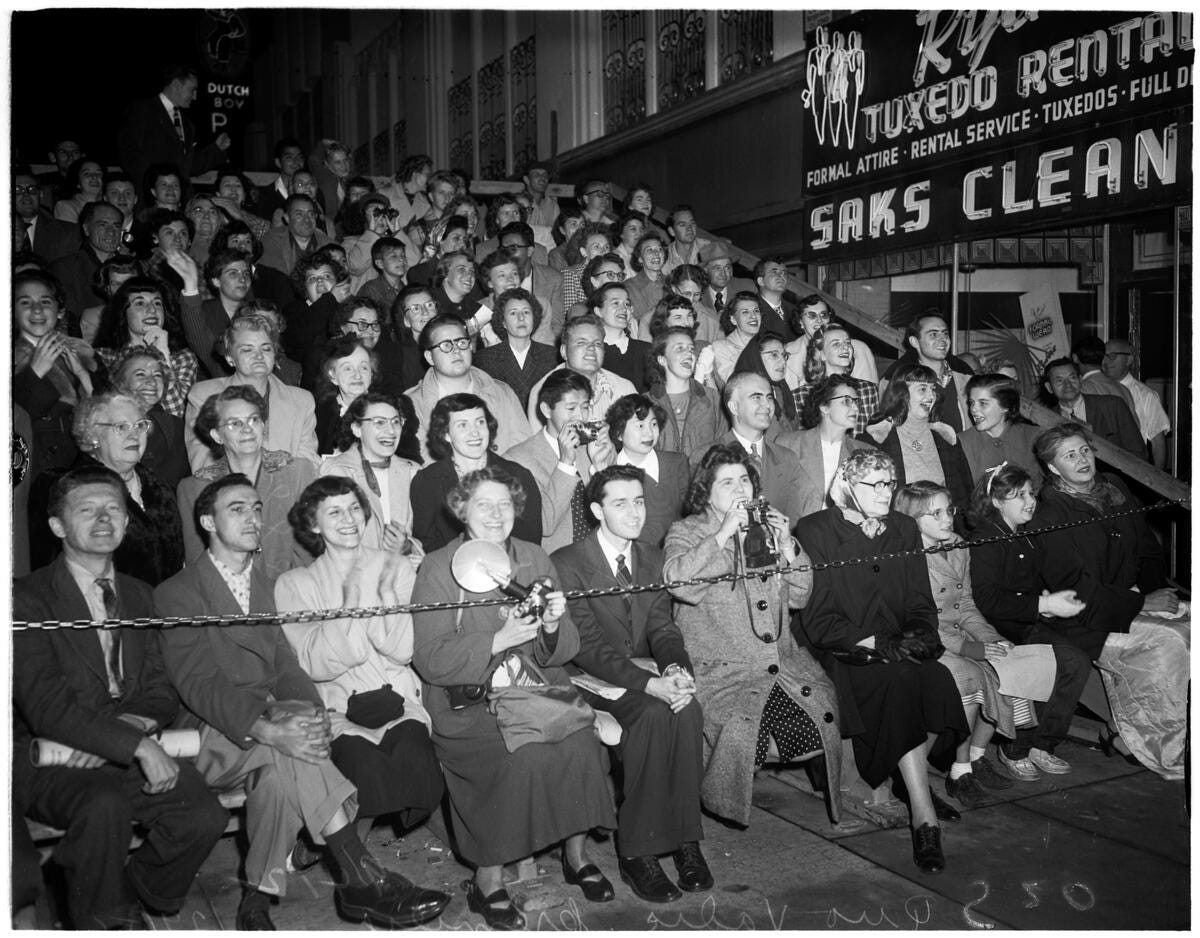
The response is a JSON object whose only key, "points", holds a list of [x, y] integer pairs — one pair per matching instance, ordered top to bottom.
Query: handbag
{"points": [[375, 708], [529, 709]]}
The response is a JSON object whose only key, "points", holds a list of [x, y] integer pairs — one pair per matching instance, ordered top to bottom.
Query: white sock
{"points": [[977, 752], [959, 769]]}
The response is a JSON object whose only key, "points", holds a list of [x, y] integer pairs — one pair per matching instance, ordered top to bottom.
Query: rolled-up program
{"points": [[178, 744]]}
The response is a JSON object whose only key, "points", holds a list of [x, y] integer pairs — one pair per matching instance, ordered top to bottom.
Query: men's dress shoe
{"points": [[1049, 763], [1021, 769], [987, 776], [967, 790], [944, 810], [927, 849], [301, 858], [694, 874], [647, 880], [595, 885], [390, 900], [497, 909], [254, 920]]}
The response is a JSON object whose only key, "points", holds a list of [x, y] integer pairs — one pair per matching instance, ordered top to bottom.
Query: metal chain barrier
{"points": [[368, 612]]}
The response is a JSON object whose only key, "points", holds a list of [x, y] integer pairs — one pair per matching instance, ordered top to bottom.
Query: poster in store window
{"points": [[1045, 332]]}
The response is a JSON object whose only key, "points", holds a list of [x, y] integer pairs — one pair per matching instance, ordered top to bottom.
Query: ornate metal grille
{"points": [[745, 42], [624, 49], [680, 50], [523, 78], [493, 121], [462, 138]]}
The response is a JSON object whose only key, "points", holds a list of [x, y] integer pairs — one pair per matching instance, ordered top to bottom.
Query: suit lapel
{"points": [[598, 572], [70, 605]]}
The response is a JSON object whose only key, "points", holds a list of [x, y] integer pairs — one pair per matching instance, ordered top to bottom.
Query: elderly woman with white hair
{"points": [[111, 430], [874, 626]]}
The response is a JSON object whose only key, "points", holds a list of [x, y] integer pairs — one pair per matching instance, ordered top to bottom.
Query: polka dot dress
{"points": [[794, 731]]}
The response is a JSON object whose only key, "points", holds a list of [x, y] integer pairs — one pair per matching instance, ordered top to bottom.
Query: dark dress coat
{"points": [[147, 135], [500, 362], [630, 364], [1112, 420], [53, 446], [166, 454], [954, 464], [665, 497], [434, 526], [153, 546], [1102, 562], [886, 709], [504, 806]]}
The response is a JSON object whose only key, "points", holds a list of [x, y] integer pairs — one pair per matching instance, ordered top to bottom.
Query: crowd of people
{"points": [[311, 395]]}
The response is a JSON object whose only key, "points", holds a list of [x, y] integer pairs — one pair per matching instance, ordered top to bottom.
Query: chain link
{"points": [[367, 612]]}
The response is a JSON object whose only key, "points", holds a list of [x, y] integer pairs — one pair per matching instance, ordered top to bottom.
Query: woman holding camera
{"points": [[876, 627], [362, 667], [762, 695], [504, 805]]}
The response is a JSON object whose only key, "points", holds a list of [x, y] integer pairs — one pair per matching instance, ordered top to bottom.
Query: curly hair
{"points": [[354, 214], [492, 221], [635, 260], [306, 265], [742, 296], [502, 301], [347, 308], [113, 331], [339, 347], [658, 349], [132, 352], [814, 365], [1003, 389], [821, 393], [356, 413], [84, 417], [208, 418], [437, 437], [718, 455], [853, 469], [459, 496], [303, 515]]}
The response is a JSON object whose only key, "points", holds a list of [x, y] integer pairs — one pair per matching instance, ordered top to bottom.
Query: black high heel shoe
{"points": [[1108, 745], [595, 885]]}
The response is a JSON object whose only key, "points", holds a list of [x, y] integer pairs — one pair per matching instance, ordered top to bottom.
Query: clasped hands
{"points": [[675, 687], [298, 728]]}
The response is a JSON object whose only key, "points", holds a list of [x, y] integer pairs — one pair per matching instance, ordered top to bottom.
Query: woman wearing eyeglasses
{"points": [[831, 351], [764, 355], [829, 419], [235, 420], [111, 429], [369, 436], [875, 629], [971, 645]]}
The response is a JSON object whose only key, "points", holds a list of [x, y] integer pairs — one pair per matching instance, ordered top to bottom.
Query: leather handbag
{"points": [[375, 708], [529, 709]]}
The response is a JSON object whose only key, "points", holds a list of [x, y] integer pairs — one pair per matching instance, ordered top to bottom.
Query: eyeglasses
{"points": [[25, 190], [603, 192], [609, 275], [429, 307], [363, 326], [449, 345], [776, 354], [850, 399], [384, 423], [237, 424], [123, 427], [881, 487], [943, 513]]}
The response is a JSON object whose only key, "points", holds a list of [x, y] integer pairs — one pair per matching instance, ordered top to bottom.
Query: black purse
{"points": [[375, 708]]}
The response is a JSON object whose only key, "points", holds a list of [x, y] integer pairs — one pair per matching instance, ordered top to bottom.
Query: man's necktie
{"points": [[178, 122], [26, 244], [720, 301], [756, 460], [581, 527], [625, 578], [110, 610]]}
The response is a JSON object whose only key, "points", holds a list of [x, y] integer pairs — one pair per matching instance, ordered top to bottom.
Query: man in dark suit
{"points": [[155, 130], [289, 157], [100, 225], [37, 230], [771, 275], [1105, 414], [784, 483], [102, 692], [661, 723], [268, 725]]}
